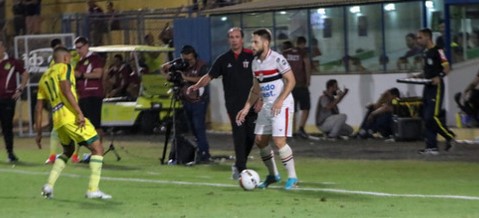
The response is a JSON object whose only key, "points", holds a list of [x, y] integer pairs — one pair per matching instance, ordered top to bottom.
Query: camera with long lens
{"points": [[174, 74]]}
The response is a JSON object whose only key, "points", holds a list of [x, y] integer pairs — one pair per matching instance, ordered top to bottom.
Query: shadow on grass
{"points": [[22, 163]]}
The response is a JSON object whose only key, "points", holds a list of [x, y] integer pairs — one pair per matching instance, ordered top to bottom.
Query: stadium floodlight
{"points": [[429, 4], [390, 7], [355, 9]]}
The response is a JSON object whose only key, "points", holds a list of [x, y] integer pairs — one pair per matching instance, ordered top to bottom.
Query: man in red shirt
{"points": [[89, 74], [10, 91]]}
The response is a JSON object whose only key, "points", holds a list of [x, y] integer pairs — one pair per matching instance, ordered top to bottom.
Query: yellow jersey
{"points": [[49, 90]]}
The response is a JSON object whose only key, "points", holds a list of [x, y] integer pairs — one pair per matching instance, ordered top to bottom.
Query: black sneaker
{"points": [[302, 133], [450, 144], [429, 151], [12, 158]]}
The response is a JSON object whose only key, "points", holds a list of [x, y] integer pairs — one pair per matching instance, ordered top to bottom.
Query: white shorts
{"points": [[279, 125]]}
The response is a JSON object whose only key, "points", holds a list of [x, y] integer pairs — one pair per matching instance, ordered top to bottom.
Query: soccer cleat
{"points": [[450, 144], [429, 151], [12, 158], [75, 158], [51, 159], [235, 174], [270, 179], [291, 183], [47, 191], [97, 195]]}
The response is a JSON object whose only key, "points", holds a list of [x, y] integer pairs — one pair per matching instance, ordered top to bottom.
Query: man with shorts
{"points": [[301, 65], [235, 68], [88, 73], [273, 82], [57, 87]]}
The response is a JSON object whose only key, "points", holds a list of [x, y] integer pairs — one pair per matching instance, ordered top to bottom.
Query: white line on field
{"points": [[343, 191]]}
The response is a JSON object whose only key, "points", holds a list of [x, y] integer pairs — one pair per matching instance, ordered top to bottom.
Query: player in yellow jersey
{"points": [[57, 87], [54, 140]]}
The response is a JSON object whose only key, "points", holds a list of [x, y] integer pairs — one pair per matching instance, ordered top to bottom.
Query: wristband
{"points": [[442, 74]]}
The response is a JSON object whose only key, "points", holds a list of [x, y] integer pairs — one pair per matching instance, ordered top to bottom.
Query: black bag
{"points": [[185, 150]]}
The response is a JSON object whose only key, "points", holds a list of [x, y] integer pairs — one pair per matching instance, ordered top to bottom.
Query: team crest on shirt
{"points": [[429, 61], [86, 62], [245, 64], [229, 65], [7, 66], [260, 77]]}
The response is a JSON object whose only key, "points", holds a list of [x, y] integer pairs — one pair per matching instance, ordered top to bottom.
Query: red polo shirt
{"points": [[10, 70], [90, 87]]}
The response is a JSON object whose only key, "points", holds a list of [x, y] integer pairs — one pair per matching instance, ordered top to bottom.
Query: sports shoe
{"points": [[302, 133], [450, 144], [429, 151], [12, 158], [75, 158], [51, 159], [235, 174], [270, 179], [291, 183], [47, 191], [97, 194]]}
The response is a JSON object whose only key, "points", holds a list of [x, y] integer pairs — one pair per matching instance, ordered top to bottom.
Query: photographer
{"points": [[184, 72], [328, 119]]}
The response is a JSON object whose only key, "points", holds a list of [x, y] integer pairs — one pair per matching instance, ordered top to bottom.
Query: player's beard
{"points": [[259, 52]]}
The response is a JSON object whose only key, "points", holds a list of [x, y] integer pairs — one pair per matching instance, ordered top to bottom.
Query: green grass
{"points": [[141, 187]]}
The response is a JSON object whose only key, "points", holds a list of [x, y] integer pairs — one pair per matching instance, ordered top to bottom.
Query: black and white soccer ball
{"points": [[249, 179]]}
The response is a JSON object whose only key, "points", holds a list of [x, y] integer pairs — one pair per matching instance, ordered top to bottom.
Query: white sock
{"points": [[267, 155], [286, 155]]}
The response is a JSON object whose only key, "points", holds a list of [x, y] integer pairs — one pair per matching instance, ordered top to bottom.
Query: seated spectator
{"points": [[414, 52], [117, 77], [468, 101], [328, 119], [378, 119]]}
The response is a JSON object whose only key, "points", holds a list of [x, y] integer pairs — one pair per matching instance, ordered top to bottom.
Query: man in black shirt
{"points": [[235, 67], [436, 67]]}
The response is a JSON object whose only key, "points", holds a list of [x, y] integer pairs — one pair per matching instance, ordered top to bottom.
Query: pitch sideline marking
{"points": [[343, 191]]}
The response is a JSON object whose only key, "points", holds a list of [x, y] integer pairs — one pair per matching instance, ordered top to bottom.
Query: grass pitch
{"points": [[141, 187]]}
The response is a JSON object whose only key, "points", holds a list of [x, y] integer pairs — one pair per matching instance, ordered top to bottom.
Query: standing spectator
{"points": [[32, 16], [19, 18], [113, 22], [97, 23], [166, 36], [440, 42], [413, 51], [151, 59], [301, 66], [436, 67], [235, 68], [89, 73], [273, 82], [57, 86], [10, 91], [195, 107], [328, 118]]}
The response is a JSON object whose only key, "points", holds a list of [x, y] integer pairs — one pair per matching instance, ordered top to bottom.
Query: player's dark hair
{"points": [[232, 29], [427, 32], [263, 33], [81, 39], [301, 40], [55, 42], [58, 51], [331, 83]]}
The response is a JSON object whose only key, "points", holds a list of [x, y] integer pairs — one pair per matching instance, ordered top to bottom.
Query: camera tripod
{"points": [[170, 125], [112, 146]]}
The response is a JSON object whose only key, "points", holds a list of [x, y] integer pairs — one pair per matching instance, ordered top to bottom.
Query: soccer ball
{"points": [[249, 179]]}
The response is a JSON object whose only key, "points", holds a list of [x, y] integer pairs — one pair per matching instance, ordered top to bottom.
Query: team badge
{"points": [[429, 61], [86, 62], [245, 64], [229, 65], [7, 66], [260, 76]]}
